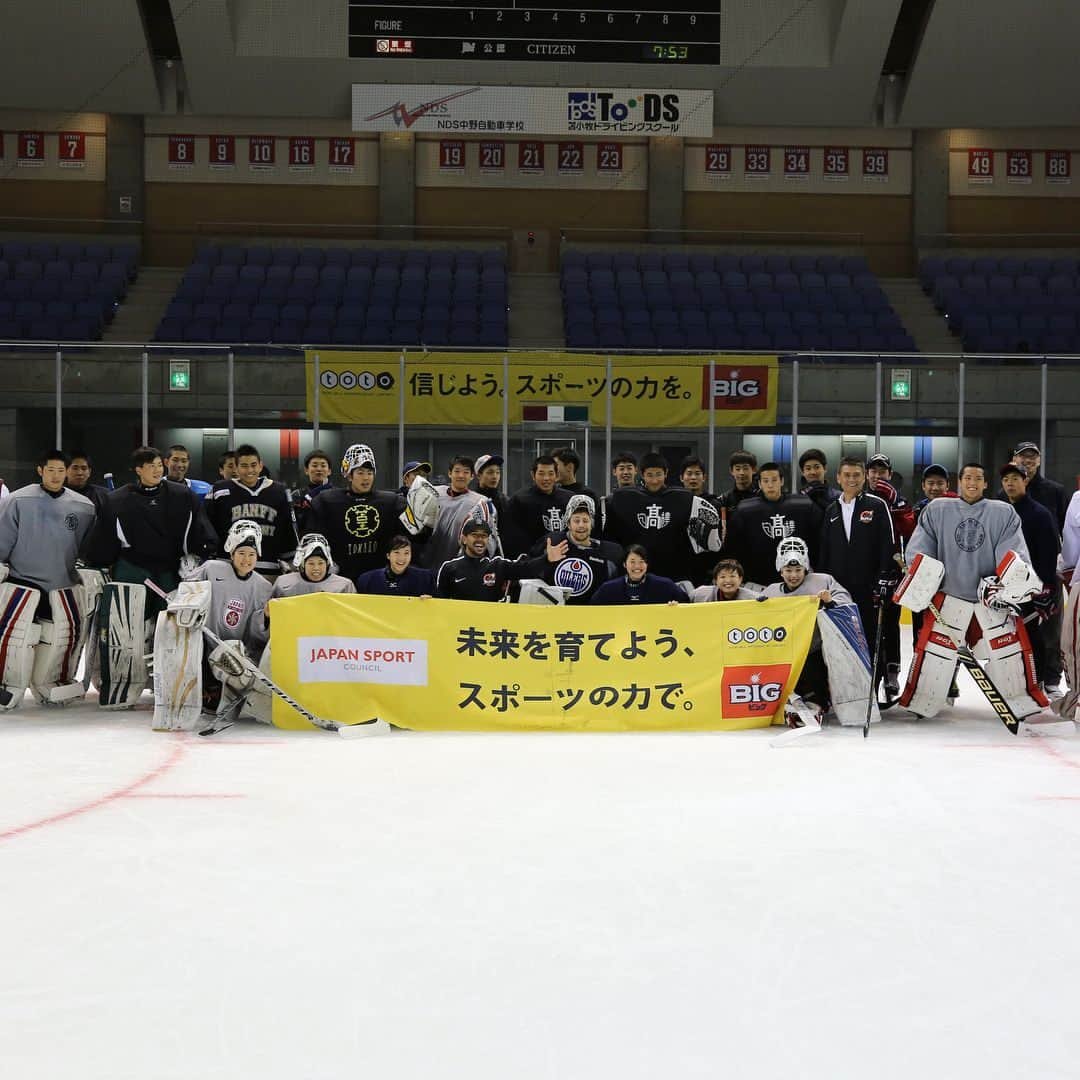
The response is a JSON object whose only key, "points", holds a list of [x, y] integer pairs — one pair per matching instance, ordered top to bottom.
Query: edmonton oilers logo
{"points": [[575, 575]]}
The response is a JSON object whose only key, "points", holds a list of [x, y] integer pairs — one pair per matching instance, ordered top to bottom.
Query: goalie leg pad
{"points": [[920, 584], [18, 636], [121, 645], [1004, 652], [56, 657], [847, 657], [178, 660], [934, 663], [230, 664], [1065, 706]]}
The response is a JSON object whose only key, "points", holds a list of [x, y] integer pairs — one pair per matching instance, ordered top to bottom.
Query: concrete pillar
{"points": [[124, 173], [397, 184], [665, 188], [929, 188]]}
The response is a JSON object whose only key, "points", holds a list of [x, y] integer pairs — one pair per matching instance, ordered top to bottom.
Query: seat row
{"points": [[45, 251], [233, 255], [699, 263], [934, 267], [575, 278], [369, 334], [730, 338]]}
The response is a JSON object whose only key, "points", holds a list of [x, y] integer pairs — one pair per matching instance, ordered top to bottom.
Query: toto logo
{"points": [[356, 380], [754, 635]]}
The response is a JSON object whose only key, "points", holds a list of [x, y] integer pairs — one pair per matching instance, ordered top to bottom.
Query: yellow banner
{"points": [[462, 388], [451, 665]]}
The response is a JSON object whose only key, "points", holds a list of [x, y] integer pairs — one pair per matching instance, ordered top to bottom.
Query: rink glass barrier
{"points": [[522, 403]]}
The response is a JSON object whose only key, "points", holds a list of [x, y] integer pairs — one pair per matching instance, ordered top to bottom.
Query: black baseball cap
{"points": [[1027, 448], [879, 459], [413, 466], [1012, 467], [935, 470], [472, 525]]}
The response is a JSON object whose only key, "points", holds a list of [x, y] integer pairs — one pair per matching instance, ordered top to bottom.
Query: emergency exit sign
{"points": [[180, 375], [901, 384]]}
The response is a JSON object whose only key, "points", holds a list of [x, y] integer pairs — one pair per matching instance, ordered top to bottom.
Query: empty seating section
{"points": [[62, 291], [340, 296], [774, 303], [1009, 304]]}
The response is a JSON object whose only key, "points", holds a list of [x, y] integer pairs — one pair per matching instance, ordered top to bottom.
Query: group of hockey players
{"points": [[151, 568]]}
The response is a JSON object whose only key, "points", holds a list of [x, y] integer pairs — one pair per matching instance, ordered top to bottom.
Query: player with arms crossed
{"points": [[968, 560]]}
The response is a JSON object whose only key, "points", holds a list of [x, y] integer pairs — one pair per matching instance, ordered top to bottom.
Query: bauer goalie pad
{"points": [[421, 506], [920, 583], [537, 591], [63, 635], [18, 636], [121, 645], [1004, 653], [178, 655], [847, 658], [934, 664], [1065, 706]]}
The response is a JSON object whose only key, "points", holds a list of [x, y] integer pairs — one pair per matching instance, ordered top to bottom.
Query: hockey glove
{"points": [[703, 528], [189, 565], [885, 586], [992, 595], [1045, 604]]}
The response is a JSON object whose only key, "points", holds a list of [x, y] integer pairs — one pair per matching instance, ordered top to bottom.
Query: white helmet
{"points": [[357, 455], [576, 504], [243, 532], [311, 544], [792, 549]]}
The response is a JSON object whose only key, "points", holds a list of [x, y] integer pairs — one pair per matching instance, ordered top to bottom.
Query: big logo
{"points": [[745, 387], [362, 520], [575, 575], [753, 691]]}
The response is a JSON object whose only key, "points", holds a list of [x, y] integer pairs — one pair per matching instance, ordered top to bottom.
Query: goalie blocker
{"points": [[41, 640], [997, 640]]}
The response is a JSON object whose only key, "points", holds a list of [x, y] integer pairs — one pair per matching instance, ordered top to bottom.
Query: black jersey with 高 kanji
{"points": [[659, 521], [758, 525], [359, 528]]}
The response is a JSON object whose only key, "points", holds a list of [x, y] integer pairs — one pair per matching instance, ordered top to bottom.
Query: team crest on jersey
{"points": [[866, 516], [655, 517], [552, 519], [362, 520], [71, 522], [778, 527], [970, 534], [575, 575], [489, 580], [234, 612]]}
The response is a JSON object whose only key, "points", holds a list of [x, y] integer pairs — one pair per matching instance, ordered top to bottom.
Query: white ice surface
{"points": [[282, 906]]}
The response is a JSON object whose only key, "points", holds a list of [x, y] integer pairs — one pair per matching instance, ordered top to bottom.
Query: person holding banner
{"points": [[587, 562], [313, 563], [475, 575], [727, 584], [638, 586]]}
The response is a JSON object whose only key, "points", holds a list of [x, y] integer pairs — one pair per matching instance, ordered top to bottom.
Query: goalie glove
{"points": [[421, 506], [703, 528], [189, 567], [992, 594], [1045, 604]]}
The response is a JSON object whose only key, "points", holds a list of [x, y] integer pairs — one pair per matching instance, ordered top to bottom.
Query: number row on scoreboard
{"points": [[32, 147], [262, 151], [491, 155], [794, 161], [1019, 165]]}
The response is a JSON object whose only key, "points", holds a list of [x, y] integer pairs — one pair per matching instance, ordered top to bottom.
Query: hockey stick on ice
{"points": [[874, 669], [346, 731]]}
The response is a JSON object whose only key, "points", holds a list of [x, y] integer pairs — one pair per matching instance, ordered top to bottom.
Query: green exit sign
{"points": [[180, 375], [901, 384]]}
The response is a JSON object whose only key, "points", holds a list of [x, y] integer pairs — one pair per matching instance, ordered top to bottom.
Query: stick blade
{"points": [[364, 730]]}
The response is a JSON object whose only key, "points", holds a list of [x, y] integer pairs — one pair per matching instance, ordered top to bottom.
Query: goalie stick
{"points": [[346, 731]]}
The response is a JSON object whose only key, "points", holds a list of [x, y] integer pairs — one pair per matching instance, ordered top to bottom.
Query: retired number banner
{"points": [[466, 389], [453, 665]]}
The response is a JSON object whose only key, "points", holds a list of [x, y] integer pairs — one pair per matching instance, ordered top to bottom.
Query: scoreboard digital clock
{"points": [[589, 31]]}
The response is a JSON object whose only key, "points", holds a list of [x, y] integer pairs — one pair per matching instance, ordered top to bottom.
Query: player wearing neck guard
{"points": [[254, 497], [358, 521], [670, 523], [968, 560], [585, 563], [314, 564]]}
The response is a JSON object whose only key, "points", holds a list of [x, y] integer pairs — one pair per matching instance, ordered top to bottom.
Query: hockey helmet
{"points": [[359, 454], [576, 504], [243, 532], [311, 544], [792, 549]]}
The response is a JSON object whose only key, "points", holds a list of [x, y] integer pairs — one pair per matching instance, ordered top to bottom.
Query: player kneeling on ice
{"points": [[969, 568], [227, 598], [45, 603], [837, 668]]}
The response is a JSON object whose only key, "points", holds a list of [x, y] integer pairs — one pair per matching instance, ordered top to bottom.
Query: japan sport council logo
{"points": [[736, 388], [390, 661], [753, 692]]}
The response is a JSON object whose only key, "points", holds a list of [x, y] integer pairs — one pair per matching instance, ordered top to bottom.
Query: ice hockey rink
{"points": [[292, 905]]}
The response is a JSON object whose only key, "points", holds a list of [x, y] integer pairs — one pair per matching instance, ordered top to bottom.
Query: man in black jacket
{"points": [[567, 463], [741, 465], [814, 465], [78, 480], [1048, 492], [534, 510], [760, 523], [1041, 536], [857, 548], [475, 575]]}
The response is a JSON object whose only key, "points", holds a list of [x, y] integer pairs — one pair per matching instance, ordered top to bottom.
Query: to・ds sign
{"points": [[605, 107], [347, 380], [735, 388]]}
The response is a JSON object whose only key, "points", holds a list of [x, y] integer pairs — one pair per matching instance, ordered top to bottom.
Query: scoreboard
{"points": [[591, 31]]}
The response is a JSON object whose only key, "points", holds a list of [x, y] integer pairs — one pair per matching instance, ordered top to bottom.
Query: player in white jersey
{"points": [[457, 503], [968, 559], [313, 571]]}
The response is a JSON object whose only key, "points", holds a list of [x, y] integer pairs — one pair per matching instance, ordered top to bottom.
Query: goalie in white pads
{"points": [[967, 558], [313, 564], [227, 598], [45, 604], [837, 668]]}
